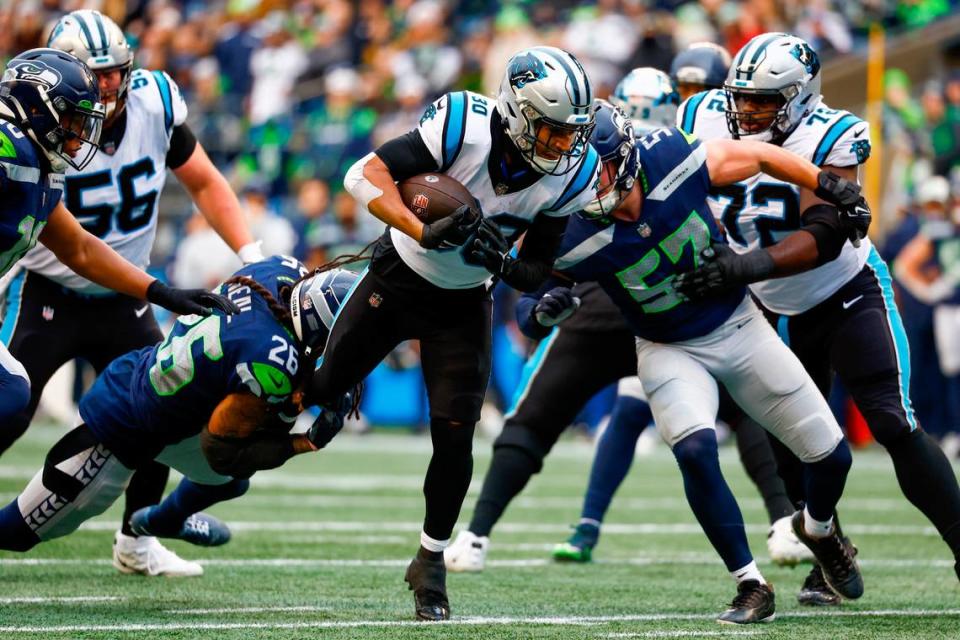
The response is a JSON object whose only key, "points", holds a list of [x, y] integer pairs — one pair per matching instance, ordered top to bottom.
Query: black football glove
{"points": [[847, 196], [453, 230], [491, 248], [723, 270], [189, 301], [555, 306], [330, 421]]}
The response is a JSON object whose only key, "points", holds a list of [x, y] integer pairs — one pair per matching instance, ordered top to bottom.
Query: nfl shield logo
{"points": [[420, 204], [644, 230], [375, 300], [47, 313]]}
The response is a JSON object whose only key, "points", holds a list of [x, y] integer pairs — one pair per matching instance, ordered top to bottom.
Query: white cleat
{"points": [[784, 547], [468, 553], [145, 555]]}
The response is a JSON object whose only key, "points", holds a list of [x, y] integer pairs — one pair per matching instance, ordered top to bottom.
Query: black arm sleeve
{"points": [[182, 144], [406, 156], [822, 221], [535, 261], [242, 457]]}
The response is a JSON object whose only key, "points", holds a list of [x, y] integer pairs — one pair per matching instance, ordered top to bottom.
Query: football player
{"points": [[700, 67], [50, 118], [527, 160], [115, 197], [836, 308], [684, 348], [582, 355], [215, 400]]}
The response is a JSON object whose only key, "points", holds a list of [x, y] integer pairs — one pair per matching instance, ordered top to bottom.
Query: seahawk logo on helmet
{"points": [[29, 71], [778, 76], [546, 92], [314, 304]]}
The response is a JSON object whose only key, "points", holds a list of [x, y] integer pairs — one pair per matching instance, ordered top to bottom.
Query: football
{"points": [[433, 196]]}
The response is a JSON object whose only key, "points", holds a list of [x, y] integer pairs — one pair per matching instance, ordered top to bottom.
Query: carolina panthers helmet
{"points": [[98, 42], [703, 64], [781, 69], [546, 86], [54, 98], [649, 98], [614, 139], [314, 303]]}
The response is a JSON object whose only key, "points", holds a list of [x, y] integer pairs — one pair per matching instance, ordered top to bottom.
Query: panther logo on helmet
{"points": [[807, 57], [526, 68], [35, 72]]}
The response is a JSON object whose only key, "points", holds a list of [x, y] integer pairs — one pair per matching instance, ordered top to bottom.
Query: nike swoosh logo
{"points": [[859, 133], [850, 303], [139, 312]]}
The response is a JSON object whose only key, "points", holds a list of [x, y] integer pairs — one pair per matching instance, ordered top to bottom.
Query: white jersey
{"points": [[457, 131], [115, 197], [761, 210]]}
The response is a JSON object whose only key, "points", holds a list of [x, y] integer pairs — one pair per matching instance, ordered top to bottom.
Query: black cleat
{"points": [[836, 558], [428, 581], [815, 591], [754, 603]]}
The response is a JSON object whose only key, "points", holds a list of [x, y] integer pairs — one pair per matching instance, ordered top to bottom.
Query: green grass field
{"points": [[320, 547]]}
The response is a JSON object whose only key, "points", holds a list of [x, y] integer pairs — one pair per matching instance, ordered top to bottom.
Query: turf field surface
{"points": [[320, 546]]}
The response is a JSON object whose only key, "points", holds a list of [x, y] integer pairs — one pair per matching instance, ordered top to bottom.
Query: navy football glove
{"points": [[453, 230], [723, 270], [189, 301], [555, 306]]}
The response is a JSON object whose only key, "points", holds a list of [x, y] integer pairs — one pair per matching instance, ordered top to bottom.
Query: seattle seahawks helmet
{"points": [[98, 42], [701, 66], [780, 71], [547, 86], [54, 98], [649, 99], [614, 140], [314, 303]]}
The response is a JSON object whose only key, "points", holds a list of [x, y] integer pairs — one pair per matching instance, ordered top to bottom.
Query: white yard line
{"points": [[518, 527], [60, 599], [231, 610], [474, 621], [684, 634]]}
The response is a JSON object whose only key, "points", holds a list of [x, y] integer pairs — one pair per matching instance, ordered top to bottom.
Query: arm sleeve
{"points": [[182, 144], [407, 156], [822, 221], [535, 259]]}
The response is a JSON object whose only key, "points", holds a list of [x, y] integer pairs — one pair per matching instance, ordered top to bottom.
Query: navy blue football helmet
{"points": [[703, 64], [54, 98], [613, 138], [314, 304]]}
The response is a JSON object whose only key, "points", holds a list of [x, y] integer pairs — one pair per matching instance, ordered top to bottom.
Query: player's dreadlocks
{"points": [[349, 258], [280, 311]]}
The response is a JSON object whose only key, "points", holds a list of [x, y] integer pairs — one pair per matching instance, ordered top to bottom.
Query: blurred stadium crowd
{"points": [[286, 95]]}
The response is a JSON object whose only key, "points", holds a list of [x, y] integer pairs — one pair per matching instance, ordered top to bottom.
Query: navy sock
{"points": [[14, 394], [614, 454], [824, 481], [189, 498], [711, 499], [15, 535]]}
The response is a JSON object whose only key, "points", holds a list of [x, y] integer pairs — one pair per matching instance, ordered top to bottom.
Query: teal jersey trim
{"points": [[167, 99], [690, 111], [454, 128], [834, 133], [581, 179], [14, 299], [783, 329], [897, 332], [530, 369]]}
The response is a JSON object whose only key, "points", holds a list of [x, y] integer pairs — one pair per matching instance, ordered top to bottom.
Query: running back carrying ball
{"points": [[433, 196]]}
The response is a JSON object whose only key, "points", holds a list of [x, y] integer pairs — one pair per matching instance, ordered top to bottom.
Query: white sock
{"points": [[590, 521], [816, 528], [430, 544], [748, 572]]}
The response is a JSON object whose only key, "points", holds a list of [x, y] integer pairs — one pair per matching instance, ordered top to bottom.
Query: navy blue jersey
{"points": [[29, 192], [636, 262], [160, 395]]}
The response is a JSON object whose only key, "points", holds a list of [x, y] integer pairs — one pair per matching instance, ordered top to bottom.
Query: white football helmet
{"points": [[99, 43], [781, 69], [546, 85], [649, 99]]}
